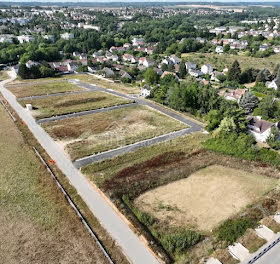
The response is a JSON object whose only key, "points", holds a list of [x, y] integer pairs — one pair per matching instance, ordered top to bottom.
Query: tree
{"points": [[226, 48], [164, 67], [182, 70], [23, 71], [234, 72], [151, 76], [263, 76], [248, 102], [268, 108], [239, 118], [213, 119], [227, 125], [273, 139]]}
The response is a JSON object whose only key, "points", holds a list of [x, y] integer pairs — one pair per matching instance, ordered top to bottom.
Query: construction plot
{"points": [[43, 87], [65, 104], [87, 135], [205, 198]]}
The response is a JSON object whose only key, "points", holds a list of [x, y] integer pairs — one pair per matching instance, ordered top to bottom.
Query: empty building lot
{"points": [[43, 87], [70, 103], [87, 135]]}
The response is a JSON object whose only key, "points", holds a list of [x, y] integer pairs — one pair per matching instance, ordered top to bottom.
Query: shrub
{"points": [[232, 229]]}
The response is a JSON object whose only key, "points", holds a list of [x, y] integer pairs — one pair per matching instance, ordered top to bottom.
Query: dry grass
{"points": [[225, 60], [4, 75], [44, 87], [65, 104], [108, 130], [205, 198], [271, 223], [39, 225], [251, 241], [224, 256]]}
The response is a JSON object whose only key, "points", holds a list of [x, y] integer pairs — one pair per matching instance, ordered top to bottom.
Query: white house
{"points": [[67, 36], [49, 37], [25, 38], [138, 41], [219, 49], [174, 59], [31, 63], [190, 65], [72, 66], [207, 69], [195, 73], [275, 84], [146, 90], [259, 128]]}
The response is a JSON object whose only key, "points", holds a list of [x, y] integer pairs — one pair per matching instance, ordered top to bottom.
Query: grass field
{"points": [[225, 60], [4, 75], [121, 87], [25, 90], [65, 104], [95, 133], [205, 198], [37, 224], [251, 241]]}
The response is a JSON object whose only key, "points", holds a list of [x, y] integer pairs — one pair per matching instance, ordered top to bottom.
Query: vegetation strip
{"points": [[9, 112], [74, 207]]}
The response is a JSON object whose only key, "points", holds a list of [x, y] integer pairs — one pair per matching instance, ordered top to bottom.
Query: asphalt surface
{"points": [[100, 110], [129, 148], [129, 242], [270, 257]]}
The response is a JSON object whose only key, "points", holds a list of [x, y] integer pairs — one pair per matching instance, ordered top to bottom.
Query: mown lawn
{"points": [[26, 89], [65, 104], [95, 133]]}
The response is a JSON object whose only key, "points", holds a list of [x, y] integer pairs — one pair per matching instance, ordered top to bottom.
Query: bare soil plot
{"points": [[25, 90], [65, 104], [103, 131], [206, 197], [37, 224], [271, 224], [224, 256]]}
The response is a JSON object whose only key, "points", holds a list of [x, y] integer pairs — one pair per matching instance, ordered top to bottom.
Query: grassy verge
{"points": [[4, 75], [25, 90], [65, 104], [108, 130], [29, 195], [251, 241]]}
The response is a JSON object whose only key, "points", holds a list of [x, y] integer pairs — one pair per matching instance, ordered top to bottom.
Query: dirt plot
{"points": [[25, 90], [65, 104], [94, 133], [206, 197], [37, 224]]}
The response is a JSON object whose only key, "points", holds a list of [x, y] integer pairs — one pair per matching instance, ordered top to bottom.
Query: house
{"points": [[67, 36], [49, 37], [25, 38], [138, 41], [126, 45], [219, 49], [276, 49], [96, 54], [83, 56], [127, 57], [174, 59], [167, 61], [146, 62], [31, 63], [190, 65], [72, 66], [207, 69], [158, 71], [108, 72], [169, 73], [195, 73], [124, 74], [214, 76], [275, 84], [146, 90], [232, 95], [260, 128]]}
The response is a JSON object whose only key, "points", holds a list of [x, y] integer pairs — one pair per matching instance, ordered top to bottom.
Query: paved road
{"points": [[50, 95], [99, 110], [194, 126], [129, 148], [112, 222], [271, 257]]}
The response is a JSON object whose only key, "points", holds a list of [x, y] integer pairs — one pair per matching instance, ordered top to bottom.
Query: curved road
{"points": [[130, 243]]}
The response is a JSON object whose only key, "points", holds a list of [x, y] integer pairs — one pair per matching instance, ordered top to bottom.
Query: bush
{"points": [[232, 229], [178, 242]]}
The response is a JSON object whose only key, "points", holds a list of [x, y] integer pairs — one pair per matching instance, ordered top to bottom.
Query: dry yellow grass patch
{"points": [[205, 198]]}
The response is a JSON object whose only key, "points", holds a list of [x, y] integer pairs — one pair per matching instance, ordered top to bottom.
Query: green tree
{"points": [[182, 70], [234, 72], [151, 76], [263, 76], [249, 101], [227, 125], [273, 139]]}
